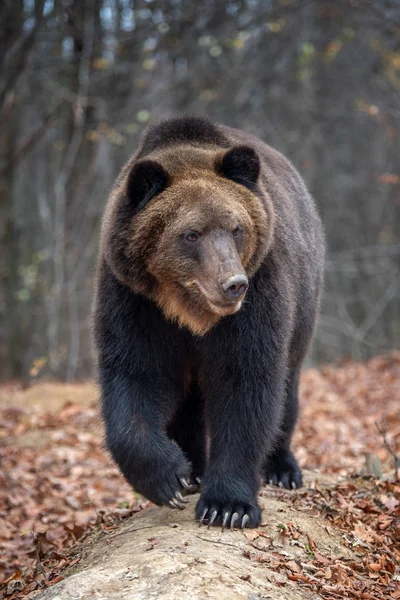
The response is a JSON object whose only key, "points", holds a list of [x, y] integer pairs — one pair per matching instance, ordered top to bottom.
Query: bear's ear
{"points": [[241, 164], [146, 179]]}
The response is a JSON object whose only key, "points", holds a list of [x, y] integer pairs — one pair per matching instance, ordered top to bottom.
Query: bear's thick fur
{"points": [[208, 286]]}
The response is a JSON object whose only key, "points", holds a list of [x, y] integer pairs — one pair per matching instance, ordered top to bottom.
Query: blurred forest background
{"points": [[80, 79]]}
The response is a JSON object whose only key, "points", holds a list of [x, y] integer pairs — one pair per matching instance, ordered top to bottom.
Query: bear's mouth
{"points": [[216, 306], [224, 309]]}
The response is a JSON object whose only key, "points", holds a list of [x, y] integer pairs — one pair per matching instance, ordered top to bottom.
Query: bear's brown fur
{"points": [[209, 279]]}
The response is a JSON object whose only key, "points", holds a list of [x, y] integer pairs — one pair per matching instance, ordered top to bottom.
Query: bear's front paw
{"points": [[282, 469], [166, 480], [225, 511]]}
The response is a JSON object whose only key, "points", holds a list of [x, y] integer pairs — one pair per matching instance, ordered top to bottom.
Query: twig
{"points": [[28, 142], [378, 310], [383, 431], [113, 535], [217, 542], [39, 568]]}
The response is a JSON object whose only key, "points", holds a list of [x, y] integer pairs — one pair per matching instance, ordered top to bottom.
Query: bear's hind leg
{"points": [[188, 431], [280, 467]]}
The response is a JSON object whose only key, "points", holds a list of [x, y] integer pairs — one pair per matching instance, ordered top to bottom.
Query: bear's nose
{"points": [[235, 287]]}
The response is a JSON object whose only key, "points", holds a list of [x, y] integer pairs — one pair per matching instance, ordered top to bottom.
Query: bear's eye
{"points": [[237, 231], [192, 236]]}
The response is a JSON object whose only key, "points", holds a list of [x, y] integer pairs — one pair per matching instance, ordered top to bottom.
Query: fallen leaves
{"points": [[337, 428], [57, 484], [369, 527]]}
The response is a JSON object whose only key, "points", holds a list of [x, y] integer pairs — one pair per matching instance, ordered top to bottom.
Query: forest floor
{"points": [[57, 483]]}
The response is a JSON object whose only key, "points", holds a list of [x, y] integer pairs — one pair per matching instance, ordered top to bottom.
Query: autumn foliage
{"points": [[57, 483]]}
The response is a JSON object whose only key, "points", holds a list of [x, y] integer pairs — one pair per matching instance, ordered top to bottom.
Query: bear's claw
{"points": [[184, 483], [189, 487], [179, 496], [178, 501], [174, 503], [203, 516], [212, 518], [233, 519], [225, 520]]}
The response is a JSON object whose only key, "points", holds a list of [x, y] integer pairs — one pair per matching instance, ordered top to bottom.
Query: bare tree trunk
{"points": [[15, 46]]}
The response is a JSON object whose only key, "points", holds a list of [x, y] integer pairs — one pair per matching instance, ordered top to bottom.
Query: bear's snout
{"points": [[235, 287]]}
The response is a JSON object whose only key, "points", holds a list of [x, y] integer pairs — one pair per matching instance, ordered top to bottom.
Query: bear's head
{"points": [[188, 227]]}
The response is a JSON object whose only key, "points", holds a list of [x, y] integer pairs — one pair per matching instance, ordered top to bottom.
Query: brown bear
{"points": [[208, 286]]}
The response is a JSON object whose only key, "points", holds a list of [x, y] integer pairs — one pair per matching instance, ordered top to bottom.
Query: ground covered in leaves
{"points": [[57, 483]]}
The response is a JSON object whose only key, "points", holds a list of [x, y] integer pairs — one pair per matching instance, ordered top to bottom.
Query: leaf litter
{"points": [[57, 484]]}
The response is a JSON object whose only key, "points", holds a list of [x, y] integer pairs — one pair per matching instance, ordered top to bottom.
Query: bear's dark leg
{"points": [[244, 386], [136, 411], [187, 429], [281, 467]]}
